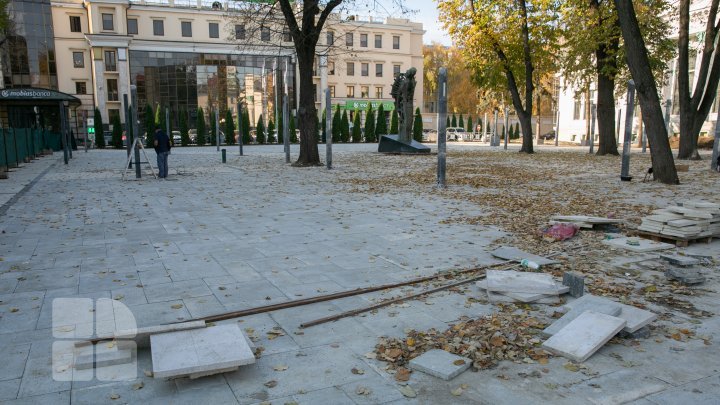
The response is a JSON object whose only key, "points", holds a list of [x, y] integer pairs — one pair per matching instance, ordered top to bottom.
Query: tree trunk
{"points": [[606, 66], [526, 124], [309, 155], [663, 164]]}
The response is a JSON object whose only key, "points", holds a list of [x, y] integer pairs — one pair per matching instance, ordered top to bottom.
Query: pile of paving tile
{"points": [[692, 219], [584, 221], [517, 286], [590, 322]]}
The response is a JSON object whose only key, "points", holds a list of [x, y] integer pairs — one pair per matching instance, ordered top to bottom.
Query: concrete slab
{"points": [[643, 245], [512, 253], [679, 260], [520, 282], [503, 297], [524, 297], [607, 308], [635, 317], [582, 337], [196, 351], [103, 357], [440, 364]]}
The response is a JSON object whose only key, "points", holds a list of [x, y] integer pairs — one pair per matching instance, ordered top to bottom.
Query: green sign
{"points": [[363, 105], [91, 130]]}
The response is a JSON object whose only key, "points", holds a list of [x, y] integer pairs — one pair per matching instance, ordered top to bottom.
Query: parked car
{"points": [[456, 134], [193, 135], [429, 135], [176, 138]]}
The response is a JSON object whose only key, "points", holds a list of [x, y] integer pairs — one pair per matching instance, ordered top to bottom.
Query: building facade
{"points": [[185, 54]]}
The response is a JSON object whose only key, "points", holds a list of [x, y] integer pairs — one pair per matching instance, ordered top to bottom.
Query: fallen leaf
{"points": [[119, 297], [176, 306], [14, 309], [110, 345], [393, 353], [371, 355], [542, 360], [459, 362], [571, 367], [280, 368], [357, 371], [148, 373], [402, 374], [271, 384], [138, 386], [360, 390], [408, 391], [457, 391], [114, 396]]}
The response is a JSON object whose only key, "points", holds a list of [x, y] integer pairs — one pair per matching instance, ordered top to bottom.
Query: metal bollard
{"points": [[224, 158]]}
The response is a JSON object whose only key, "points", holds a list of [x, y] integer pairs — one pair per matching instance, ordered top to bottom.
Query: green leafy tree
{"points": [[508, 46], [160, 117], [454, 121], [394, 122], [447, 122], [461, 122], [336, 124], [324, 125], [370, 125], [381, 125], [470, 125], [149, 126], [418, 126], [200, 127], [246, 127], [344, 127], [229, 128], [184, 129], [292, 129], [356, 130], [517, 130], [260, 131], [270, 131], [117, 132], [511, 132], [99, 134], [212, 136]]}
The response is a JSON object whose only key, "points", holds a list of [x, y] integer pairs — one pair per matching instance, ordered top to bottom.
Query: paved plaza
{"points": [[216, 237]]}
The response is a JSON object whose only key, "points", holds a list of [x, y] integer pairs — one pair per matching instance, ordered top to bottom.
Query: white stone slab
{"points": [[587, 219], [644, 245], [512, 253], [679, 260], [520, 282], [502, 297], [526, 297], [604, 307], [635, 317], [584, 335], [141, 336], [199, 351], [103, 357], [441, 364]]}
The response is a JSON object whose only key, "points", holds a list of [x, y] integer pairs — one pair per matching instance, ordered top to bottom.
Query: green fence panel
{"points": [[21, 140], [36, 141], [53, 141], [11, 148], [3, 155]]}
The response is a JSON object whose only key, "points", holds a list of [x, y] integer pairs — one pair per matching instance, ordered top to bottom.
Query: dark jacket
{"points": [[162, 142]]}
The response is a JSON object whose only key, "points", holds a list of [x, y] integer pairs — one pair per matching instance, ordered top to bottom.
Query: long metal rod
{"points": [[442, 128], [342, 294]]}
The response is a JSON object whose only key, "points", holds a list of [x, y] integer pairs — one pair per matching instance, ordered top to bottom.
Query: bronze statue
{"points": [[403, 90]]}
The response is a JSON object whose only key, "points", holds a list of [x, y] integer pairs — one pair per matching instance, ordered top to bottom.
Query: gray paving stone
{"points": [[644, 245], [679, 260], [520, 282], [176, 290], [604, 307], [635, 317], [584, 335], [199, 351], [14, 358], [440, 363], [9, 389], [704, 391], [59, 398]]}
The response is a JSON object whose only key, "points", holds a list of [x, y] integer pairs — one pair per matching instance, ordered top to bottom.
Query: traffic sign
{"points": [[90, 122]]}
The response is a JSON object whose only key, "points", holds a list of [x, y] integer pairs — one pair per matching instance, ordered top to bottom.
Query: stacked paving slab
{"points": [[691, 220]]}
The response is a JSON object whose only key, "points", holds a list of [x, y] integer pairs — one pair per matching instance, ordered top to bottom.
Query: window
{"points": [[107, 22], [75, 24], [132, 26], [158, 28], [186, 28], [214, 30], [239, 31], [265, 34], [286, 35], [330, 37], [349, 39], [363, 40], [378, 41], [396, 42], [78, 60], [110, 61], [331, 68], [364, 68], [351, 69], [378, 69], [396, 70], [80, 88], [112, 90], [350, 90], [332, 91], [364, 91], [378, 92], [577, 108], [112, 113]]}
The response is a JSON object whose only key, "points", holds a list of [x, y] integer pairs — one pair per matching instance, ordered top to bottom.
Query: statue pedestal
{"points": [[393, 144]]}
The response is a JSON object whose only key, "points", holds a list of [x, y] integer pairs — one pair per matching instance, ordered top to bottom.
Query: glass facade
{"points": [[30, 46], [186, 81]]}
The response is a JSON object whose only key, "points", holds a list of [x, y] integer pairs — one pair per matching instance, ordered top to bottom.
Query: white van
{"points": [[456, 134]]}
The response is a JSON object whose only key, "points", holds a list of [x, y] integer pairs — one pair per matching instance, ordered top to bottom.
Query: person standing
{"points": [[162, 148]]}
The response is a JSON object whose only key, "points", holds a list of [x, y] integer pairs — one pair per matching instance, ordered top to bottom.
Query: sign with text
{"points": [[363, 105]]}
